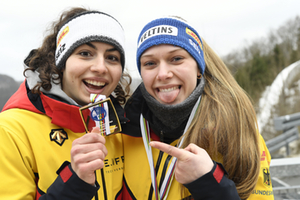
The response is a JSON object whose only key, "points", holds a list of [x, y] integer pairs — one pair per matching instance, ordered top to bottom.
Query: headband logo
{"points": [[158, 30], [191, 33], [62, 35], [194, 45], [61, 49]]}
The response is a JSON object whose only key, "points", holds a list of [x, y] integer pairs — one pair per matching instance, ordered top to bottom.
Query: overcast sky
{"points": [[224, 24]]}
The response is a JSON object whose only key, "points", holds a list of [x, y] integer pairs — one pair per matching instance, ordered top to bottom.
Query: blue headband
{"points": [[171, 31]]}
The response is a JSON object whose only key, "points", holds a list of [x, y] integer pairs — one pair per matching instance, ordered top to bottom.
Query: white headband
{"points": [[87, 27]]}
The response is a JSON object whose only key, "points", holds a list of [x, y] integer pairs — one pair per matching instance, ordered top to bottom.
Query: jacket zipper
{"points": [[161, 136]]}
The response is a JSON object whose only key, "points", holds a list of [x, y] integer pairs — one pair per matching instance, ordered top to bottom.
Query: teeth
{"points": [[95, 83], [168, 89]]}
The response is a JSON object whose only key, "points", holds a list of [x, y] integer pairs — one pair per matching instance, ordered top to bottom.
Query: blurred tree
{"points": [[256, 65]]}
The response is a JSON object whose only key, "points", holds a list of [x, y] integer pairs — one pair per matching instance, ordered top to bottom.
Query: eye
{"points": [[85, 53], [113, 58], [176, 58], [148, 64]]}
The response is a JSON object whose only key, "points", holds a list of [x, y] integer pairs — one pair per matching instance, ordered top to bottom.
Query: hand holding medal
{"points": [[88, 152], [87, 155]]}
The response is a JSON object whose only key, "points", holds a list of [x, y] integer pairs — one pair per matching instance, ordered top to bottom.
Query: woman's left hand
{"points": [[192, 162]]}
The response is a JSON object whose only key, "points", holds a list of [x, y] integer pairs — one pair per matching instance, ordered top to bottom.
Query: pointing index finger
{"points": [[171, 150]]}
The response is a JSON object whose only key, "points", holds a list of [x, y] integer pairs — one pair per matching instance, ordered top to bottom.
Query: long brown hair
{"points": [[43, 60], [225, 125]]}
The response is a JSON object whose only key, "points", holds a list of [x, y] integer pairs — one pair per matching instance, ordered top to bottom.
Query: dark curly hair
{"points": [[42, 60]]}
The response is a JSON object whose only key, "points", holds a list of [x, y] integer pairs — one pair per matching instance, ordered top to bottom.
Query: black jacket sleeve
{"points": [[69, 186], [213, 186]]}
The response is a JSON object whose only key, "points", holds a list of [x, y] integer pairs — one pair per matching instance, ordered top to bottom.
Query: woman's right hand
{"points": [[87, 155], [192, 161]]}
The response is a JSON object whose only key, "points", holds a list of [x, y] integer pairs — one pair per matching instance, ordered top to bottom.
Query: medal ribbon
{"points": [[103, 122], [164, 190]]}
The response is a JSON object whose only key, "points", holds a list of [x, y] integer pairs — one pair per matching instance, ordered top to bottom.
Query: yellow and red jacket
{"points": [[36, 134], [214, 185]]}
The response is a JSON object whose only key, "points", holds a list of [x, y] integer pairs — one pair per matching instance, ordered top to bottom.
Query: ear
{"points": [[198, 73]]}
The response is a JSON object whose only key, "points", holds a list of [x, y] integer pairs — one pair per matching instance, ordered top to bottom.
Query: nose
{"points": [[99, 66], [164, 72]]}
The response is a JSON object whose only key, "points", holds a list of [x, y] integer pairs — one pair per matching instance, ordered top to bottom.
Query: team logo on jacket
{"points": [[58, 136], [267, 178]]}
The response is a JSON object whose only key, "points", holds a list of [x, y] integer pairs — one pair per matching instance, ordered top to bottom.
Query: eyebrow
{"points": [[91, 45], [94, 47], [112, 49]]}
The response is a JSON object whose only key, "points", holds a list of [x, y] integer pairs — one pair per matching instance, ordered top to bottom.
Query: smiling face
{"points": [[93, 68], [169, 73]]}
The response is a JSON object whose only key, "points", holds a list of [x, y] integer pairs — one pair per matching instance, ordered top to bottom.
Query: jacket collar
{"points": [[62, 113]]}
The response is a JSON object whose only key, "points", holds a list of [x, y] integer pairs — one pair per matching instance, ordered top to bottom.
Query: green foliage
{"points": [[257, 65]]}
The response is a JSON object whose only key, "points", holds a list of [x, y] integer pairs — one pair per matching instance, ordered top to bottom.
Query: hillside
{"points": [[257, 64], [267, 69], [7, 87], [281, 98]]}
